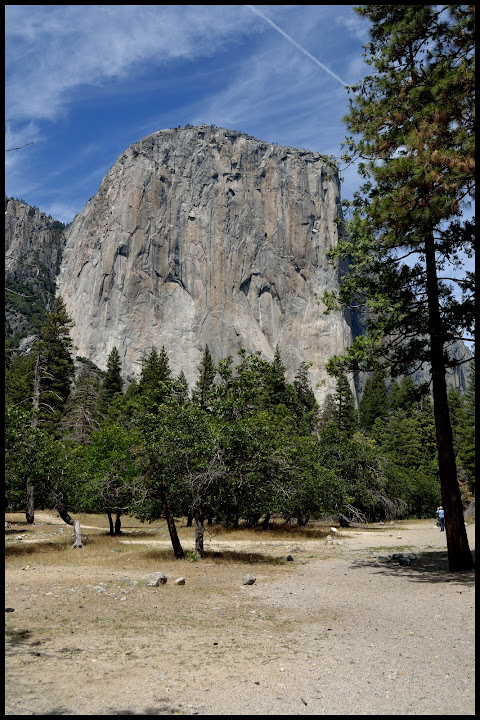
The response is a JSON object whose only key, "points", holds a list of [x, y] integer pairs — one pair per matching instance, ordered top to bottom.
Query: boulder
{"points": [[155, 579]]}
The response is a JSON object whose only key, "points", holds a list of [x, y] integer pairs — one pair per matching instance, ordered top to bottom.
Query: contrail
{"points": [[291, 40]]}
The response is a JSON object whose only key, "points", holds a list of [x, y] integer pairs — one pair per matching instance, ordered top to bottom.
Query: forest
{"points": [[243, 446]]}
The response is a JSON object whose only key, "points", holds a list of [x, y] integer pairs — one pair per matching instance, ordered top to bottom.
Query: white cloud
{"points": [[356, 25], [52, 49]]}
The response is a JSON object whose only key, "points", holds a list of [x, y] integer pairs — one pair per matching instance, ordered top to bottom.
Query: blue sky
{"points": [[83, 82]]}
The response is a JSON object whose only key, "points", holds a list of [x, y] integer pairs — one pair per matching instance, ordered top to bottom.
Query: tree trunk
{"points": [[36, 393], [30, 511], [63, 512], [189, 519], [110, 520], [265, 522], [118, 524], [199, 532], [77, 535], [177, 547], [459, 555]]}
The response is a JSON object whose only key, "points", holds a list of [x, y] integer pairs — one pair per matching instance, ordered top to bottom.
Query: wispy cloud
{"points": [[50, 52]]}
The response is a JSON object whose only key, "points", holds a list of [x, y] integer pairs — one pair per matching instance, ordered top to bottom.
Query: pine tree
{"points": [[415, 119], [56, 365], [19, 378], [155, 383], [112, 384], [180, 389], [202, 392], [404, 394], [373, 402], [308, 404], [329, 412], [81, 413], [346, 415]]}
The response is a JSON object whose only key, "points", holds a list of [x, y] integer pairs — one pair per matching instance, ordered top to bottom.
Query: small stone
{"points": [[399, 537], [289, 557], [404, 561], [155, 579], [248, 579], [180, 581], [9, 609]]}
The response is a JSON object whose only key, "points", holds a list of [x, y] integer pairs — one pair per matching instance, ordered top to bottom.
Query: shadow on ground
{"points": [[224, 556], [430, 566], [165, 709]]}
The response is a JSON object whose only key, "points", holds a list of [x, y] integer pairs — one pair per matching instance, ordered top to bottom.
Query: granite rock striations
{"points": [[201, 235], [33, 254]]}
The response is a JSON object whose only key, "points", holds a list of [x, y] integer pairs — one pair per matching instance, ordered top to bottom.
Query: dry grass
{"points": [[145, 545]]}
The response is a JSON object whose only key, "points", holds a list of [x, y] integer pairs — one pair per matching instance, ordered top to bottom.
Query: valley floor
{"points": [[332, 632]]}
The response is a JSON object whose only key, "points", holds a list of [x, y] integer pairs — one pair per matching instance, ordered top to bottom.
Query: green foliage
{"points": [[413, 120], [413, 124], [57, 366], [19, 376], [155, 382], [112, 385], [202, 393], [373, 402], [81, 414], [346, 416], [407, 437], [260, 446], [34, 457], [109, 471], [370, 486]]}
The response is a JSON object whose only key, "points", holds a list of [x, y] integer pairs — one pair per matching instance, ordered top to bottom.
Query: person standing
{"points": [[441, 518]]}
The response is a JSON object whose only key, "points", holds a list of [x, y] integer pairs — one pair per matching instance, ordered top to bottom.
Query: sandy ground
{"points": [[332, 632]]}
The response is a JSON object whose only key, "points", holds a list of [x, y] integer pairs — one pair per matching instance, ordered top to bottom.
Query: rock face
{"points": [[201, 235], [33, 252]]}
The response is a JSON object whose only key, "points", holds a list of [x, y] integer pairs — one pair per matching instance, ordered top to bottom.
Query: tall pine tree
{"points": [[415, 120], [56, 367], [156, 381], [112, 384], [202, 392], [373, 402], [346, 415]]}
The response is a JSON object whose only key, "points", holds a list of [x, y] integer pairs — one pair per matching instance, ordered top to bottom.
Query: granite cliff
{"points": [[202, 235], [33, 253]]}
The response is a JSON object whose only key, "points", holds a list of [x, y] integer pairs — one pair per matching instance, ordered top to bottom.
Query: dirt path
{"points": [[332, 632]]}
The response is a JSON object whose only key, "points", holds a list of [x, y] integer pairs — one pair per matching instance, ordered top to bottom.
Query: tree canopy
{"points": [[413, 125]]}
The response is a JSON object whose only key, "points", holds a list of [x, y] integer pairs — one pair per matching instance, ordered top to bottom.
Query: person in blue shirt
{"points": [[441, 518]]}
